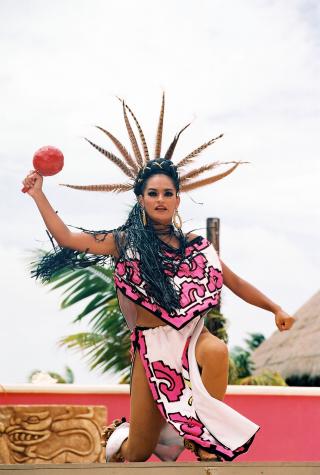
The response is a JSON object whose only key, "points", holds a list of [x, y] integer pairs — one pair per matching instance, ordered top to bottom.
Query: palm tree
{"points": [[107, 346], [242, 360]]}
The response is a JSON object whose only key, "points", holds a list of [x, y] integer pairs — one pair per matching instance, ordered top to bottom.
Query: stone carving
{"points": [[51, 434]]}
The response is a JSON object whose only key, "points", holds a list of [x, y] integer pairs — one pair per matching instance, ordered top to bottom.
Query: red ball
{"points": [[48, 160]]}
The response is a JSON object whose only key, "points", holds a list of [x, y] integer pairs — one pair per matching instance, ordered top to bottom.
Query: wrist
{"points": [[36, 195], [275, 308]]}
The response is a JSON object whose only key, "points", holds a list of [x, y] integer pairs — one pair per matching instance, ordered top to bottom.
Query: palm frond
{"points": [[106, 346], [102, 353]]}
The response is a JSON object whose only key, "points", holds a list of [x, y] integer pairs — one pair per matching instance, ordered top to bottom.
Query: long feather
{"points": [[141, 134], [132, 137], [173, 144], [124, 152], [157, 152], [189, 158], [114, 159], [197, 171], [208, 181], [117, 187]]}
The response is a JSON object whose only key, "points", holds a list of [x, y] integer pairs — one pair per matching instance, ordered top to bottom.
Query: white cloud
{"points": [[249, 69]]}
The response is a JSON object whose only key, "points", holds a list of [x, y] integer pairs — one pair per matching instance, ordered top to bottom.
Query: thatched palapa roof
{"points": [[295, 351]]}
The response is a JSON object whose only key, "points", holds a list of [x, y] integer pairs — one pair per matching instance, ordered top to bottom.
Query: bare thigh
{"points": [[146, 420]]}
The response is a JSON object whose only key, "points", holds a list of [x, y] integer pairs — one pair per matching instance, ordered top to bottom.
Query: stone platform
{"points": [[167, 468]]}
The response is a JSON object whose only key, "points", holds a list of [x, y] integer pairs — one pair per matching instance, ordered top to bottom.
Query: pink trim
{"points": [[196, 296], [172, 390]]}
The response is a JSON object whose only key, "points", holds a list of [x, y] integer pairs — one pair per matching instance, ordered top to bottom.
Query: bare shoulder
{"points": [[191, 236]]}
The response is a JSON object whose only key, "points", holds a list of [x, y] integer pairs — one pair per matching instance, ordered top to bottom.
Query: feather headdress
{"points": [[132, 165]]}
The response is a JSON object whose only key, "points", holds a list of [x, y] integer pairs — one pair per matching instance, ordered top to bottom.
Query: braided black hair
{"points": [[132, 239], [144, 240]]}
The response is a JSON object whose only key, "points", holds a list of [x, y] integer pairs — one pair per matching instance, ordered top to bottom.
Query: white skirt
{"points": [[168, 356]]}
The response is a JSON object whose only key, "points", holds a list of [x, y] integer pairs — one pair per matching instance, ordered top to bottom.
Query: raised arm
{"points": [[100, 244], [252, 295]]}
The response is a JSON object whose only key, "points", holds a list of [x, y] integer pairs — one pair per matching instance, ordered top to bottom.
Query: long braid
{"points": [[134, 240]]}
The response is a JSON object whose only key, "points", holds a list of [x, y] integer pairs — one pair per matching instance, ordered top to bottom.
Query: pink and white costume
{"points": [[168, 352]]}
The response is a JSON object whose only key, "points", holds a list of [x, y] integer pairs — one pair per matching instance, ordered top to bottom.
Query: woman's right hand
{"points": [[33, 182]]}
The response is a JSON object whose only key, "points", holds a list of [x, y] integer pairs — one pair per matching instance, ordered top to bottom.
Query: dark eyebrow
{"points": [[156, 189]]}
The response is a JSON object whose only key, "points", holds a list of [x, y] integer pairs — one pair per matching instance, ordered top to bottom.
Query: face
{"points": [[160, 199]]}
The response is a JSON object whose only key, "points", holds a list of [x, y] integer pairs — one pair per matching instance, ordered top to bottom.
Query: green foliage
{"points": [[216, 324], [254, 340], [107, 346], [242, 356], [242, 361], [241, 365], [233, 372], [69, 375], [266, 378]]}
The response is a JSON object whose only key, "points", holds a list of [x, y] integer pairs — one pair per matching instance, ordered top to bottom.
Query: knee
{"points": [[220, 350], [214, 351]]}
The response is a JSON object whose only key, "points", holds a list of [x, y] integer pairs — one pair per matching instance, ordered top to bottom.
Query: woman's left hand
{"points": [[283, 320]]}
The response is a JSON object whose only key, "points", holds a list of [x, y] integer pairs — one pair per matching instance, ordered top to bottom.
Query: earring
{"points": [[143, 217], [177, 221]]}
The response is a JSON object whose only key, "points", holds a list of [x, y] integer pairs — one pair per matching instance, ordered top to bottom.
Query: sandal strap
{"points": [[195, 448]]}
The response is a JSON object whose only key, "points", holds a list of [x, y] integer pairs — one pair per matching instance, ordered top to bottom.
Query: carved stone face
{"points": [[28, 429], [50, 434]]}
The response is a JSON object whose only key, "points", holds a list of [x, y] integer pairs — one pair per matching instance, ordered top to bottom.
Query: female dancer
{"points": [[166, 281]]}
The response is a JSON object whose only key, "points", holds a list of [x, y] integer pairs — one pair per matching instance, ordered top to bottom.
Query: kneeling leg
{"points": [[212, 357], [146, 420]]}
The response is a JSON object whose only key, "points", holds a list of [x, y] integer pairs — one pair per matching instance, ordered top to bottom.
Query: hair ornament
{"points": [[137, 165]]}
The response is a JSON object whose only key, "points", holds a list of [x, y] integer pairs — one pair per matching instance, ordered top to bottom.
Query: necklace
{"points": [[162, 230]]}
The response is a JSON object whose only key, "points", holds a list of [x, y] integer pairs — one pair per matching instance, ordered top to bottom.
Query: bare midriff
{"points": [[147, 319]]}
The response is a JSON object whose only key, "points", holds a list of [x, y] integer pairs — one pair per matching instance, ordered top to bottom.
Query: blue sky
{"points": [[249, 69]]}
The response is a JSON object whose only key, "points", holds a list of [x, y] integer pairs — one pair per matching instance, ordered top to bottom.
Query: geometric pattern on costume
{"points": [[197, 278], [168, 352], [180, 395]]}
